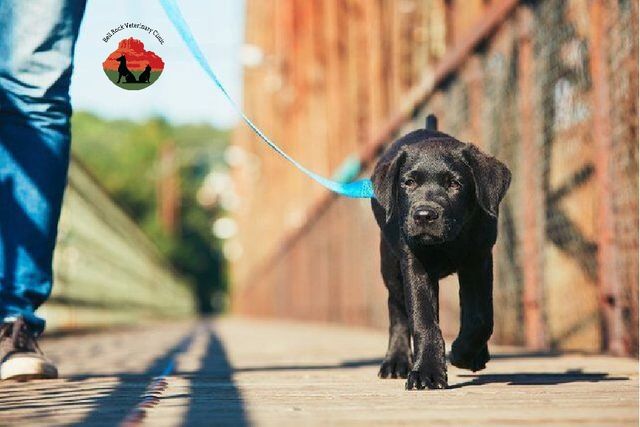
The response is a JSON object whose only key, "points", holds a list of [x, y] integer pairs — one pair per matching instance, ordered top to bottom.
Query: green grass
{"points": [[113, 76]]}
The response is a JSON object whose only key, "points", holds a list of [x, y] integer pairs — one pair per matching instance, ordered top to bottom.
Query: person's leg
{"points": [[36, 53]]}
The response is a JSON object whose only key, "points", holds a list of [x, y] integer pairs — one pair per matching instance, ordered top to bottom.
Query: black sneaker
{"points": [[20, 357]]}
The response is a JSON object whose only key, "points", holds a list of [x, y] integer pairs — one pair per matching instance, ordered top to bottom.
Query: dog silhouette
{"points": [[123, 71], [145, 75]]}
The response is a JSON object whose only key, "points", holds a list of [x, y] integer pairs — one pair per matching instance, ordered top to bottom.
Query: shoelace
{"points": [[5, 329]]}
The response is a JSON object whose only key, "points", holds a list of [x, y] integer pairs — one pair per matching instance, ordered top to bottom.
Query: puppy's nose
{"points": [[425, 214]]}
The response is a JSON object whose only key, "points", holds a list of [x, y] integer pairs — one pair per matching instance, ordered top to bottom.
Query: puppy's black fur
{"points": [[437, 207]]}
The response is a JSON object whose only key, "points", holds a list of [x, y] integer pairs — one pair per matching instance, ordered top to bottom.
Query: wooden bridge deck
{"points": [[233, 371]]}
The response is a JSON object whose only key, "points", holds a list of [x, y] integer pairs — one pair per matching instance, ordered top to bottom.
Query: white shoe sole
{"points": [[27, 368]]}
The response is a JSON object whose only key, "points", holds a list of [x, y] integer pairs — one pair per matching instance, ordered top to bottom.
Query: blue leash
{"points": [[358, 189]]}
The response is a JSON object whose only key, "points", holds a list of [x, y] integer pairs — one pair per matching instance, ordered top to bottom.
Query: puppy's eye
{"points": [[410, 182], [454, 184]]}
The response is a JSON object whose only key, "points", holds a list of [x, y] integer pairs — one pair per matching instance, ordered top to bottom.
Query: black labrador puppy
{"points": [[437, 207]]}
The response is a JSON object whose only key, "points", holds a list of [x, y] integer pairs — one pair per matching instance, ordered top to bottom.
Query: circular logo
{"points": [[131, 67]]}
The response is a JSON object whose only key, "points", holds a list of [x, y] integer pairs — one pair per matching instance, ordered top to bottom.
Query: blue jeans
{"points": [[36, 54]]}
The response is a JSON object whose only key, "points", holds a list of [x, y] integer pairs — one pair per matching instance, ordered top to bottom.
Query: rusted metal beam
{"points": [[448, 65], [532, 272], [608, 279]]}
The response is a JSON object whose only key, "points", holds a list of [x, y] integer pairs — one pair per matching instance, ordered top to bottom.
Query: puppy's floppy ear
{"points": [[491, 177], [385, 182]]}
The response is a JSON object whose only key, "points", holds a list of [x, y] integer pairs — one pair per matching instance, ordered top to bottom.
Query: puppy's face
{"points": [[431, 186], [434, 193]]}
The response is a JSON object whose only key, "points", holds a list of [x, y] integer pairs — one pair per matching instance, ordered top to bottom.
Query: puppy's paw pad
{"points": [[481, 359], [472, 361], [395, 367], [434, 380], [414, 381]]}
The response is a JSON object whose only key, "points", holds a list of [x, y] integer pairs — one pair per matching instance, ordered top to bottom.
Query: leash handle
{"points": [[357, 189]]}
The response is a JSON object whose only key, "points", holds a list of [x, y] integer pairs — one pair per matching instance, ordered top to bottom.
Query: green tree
{"points": [[124, 156]]}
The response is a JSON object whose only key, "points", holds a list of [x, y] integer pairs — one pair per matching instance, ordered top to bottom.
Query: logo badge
{"points": [[131, 67]]}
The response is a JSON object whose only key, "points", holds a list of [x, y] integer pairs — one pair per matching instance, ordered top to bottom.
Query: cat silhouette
{"points": [[145, 75]]}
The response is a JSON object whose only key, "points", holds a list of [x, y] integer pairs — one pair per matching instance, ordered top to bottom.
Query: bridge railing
{"points": [[550, 87], [107, 272]]}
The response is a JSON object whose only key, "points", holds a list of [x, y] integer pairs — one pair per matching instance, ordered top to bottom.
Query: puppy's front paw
{"points": [[467, 359], [395, 366], [431, 378]]}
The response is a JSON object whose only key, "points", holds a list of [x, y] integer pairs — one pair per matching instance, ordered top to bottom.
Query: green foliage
{"points": [[113, 76], [124, 157]]}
